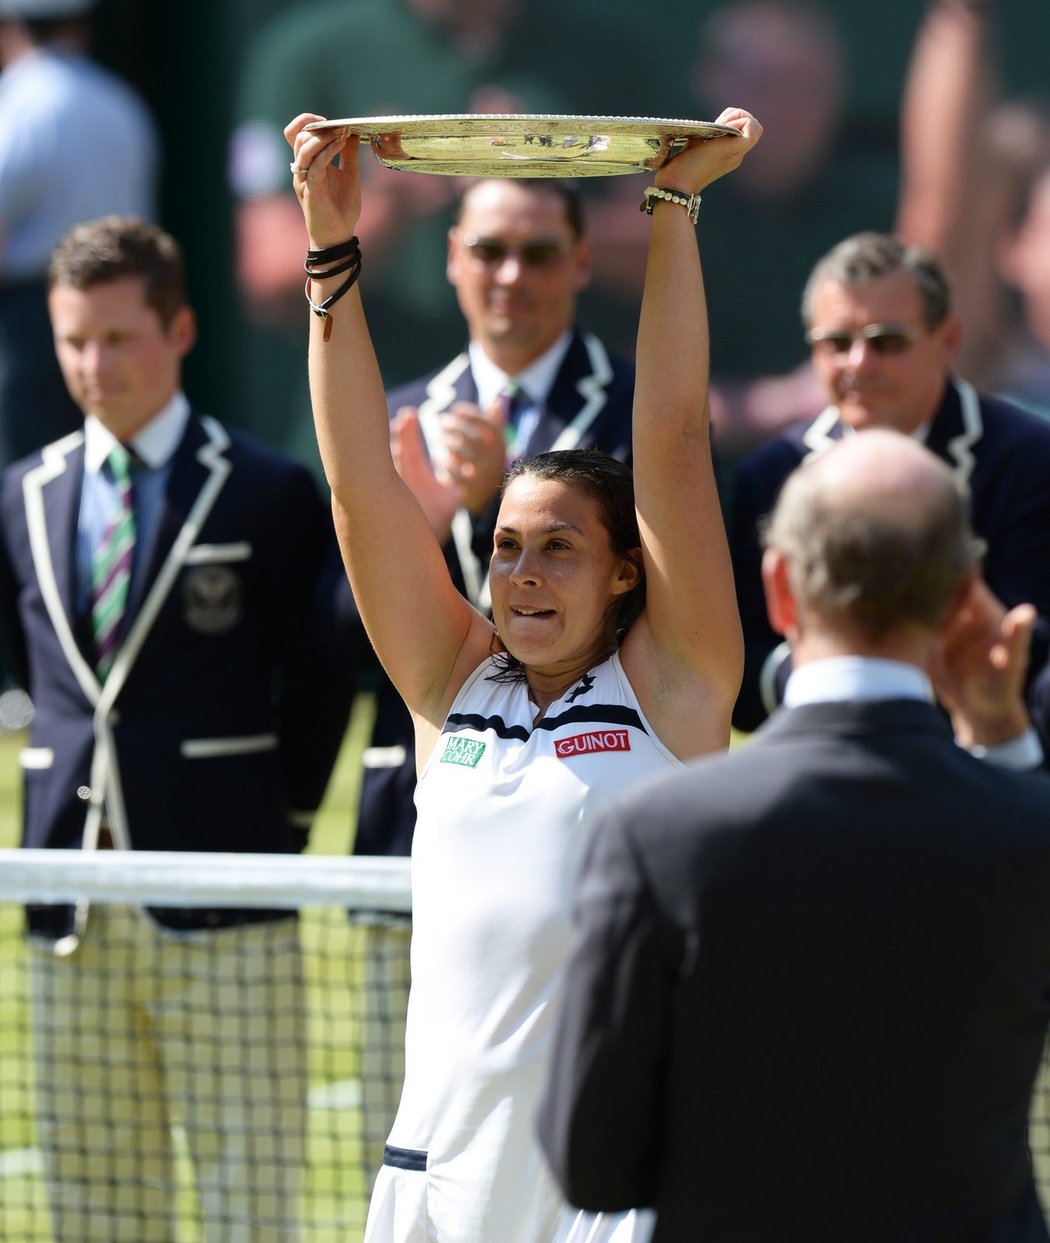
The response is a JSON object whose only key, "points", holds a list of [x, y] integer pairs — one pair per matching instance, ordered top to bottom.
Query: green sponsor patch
{"points": [[465, 751]]}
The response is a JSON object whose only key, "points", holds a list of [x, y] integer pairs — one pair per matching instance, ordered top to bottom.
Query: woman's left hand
{"points": [[706, 159]]}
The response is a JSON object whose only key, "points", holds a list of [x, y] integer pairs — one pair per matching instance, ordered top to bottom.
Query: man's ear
{"points": [[182, 330], [950, 332], [780, 600]]}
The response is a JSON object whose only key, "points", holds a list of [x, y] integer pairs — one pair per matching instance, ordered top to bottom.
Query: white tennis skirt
{"points": [[633, 1227]]}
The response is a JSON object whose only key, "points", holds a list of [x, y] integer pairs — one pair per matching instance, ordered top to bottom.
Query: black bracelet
{"points": [[329, 254], [339, 268], [323, 309]]}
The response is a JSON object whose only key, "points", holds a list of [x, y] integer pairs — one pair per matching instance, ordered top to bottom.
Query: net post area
{"points": [[197, 1046]]}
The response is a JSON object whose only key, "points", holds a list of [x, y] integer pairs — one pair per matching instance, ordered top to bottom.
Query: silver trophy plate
{"points": [[522, 144]]}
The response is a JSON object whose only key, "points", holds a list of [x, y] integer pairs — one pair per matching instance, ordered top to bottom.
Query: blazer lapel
{"points": [[451, 384], [578, 395], [956, 428], [823, 432], [184, 484], [51, 493]]}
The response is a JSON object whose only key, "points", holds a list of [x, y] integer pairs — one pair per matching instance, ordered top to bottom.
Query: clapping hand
{"points": [[475, 446], [438, 493], [979, 668]]}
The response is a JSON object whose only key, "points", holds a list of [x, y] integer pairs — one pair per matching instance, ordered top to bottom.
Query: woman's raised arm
{"points": [[425, 633], [687, 648]]}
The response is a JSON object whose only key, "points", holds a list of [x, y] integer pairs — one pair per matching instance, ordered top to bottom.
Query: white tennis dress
{"points": [[502, 808]]}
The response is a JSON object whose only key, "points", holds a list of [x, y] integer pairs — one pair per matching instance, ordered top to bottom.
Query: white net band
{"points": [[171, 878]]}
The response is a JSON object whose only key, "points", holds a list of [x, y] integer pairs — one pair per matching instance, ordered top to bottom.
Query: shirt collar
{"points": [[537, 379], [921, 433], [155, 443], [836, 678]]}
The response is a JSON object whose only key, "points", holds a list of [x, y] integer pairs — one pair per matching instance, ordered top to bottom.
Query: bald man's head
{"points": [[875, 534]]}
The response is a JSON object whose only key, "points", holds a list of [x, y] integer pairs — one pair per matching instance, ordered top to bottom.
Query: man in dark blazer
{"points": [[883, 339], [212, 723], [811, 981]]}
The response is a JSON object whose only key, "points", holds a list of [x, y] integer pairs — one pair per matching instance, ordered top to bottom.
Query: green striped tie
{"points": [[511, 400], [111, 566]]}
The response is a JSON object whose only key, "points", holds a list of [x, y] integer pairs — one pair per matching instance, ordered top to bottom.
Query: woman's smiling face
{"points": [[553, 575]]}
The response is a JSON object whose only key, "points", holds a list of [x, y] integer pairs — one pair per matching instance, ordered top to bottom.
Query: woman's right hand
{"points": [[329, 193]]}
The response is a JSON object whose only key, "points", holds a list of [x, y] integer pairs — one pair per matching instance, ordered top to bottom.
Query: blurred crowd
{"points": [[912, 123], [941, 157]]}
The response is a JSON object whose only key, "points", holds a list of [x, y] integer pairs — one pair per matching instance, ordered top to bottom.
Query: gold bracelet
{"points": [[691, 202]]}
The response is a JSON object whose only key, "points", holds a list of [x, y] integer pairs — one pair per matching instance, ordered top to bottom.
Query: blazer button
{"points": [[84, 794]]}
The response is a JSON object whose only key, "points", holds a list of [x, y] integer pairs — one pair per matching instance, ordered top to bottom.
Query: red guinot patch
{"points": [[596, 740]]}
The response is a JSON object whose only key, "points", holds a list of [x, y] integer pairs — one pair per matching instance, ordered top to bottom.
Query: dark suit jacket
{"points": [[590, 407], [1000, 452], [220, 722], [809, 991]]}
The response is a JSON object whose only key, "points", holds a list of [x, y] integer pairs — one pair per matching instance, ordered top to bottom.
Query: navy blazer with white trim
{"points": [[1002, 453], [220, 722]]}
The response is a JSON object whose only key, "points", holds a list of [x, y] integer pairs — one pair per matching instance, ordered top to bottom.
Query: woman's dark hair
{"points": [[611, 483]]}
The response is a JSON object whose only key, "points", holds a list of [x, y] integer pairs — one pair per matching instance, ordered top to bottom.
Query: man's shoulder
{"points": [[59, 77], [588, 353], [444, 383], [596, 384], [1005, 422], [245, 451], [55, 452], [49, 462], [770, 464], [12, 478], [813, 757]]}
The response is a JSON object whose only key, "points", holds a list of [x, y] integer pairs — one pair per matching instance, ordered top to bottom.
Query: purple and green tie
{"points": [[511, 401], [111, 566]]}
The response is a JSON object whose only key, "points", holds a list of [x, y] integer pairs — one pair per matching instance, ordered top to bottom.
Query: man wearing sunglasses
{"points": [[883, 340], [528, 380]]}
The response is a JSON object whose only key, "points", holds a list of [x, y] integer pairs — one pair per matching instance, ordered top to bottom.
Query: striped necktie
{"points": [[512, 400], [111, 566]]}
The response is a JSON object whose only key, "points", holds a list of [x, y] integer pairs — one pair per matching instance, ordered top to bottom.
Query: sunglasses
{"points": [[490, 252], [888, 339]]}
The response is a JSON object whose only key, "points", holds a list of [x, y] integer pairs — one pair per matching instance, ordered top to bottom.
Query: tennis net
{"points": [[232, 1084], [229, 1086]]}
